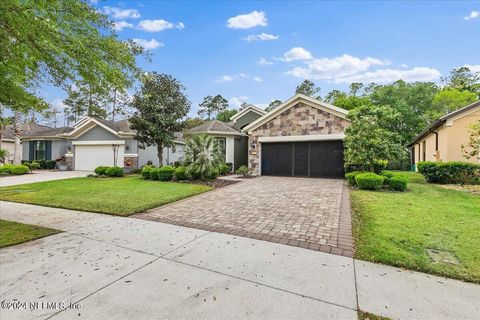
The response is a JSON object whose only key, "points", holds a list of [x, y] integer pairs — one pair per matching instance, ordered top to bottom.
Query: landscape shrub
{"points": [[50, 164], [177, 164], [32, 165], [230, 166], [379, 166], [6, 168], [19, 169], [224, 169], [101, 170], [136, 171], [146, 171], [244, 171], [114, 172], [454, 172], [166, 173], [181, 173], [154, 174], [387, 175], [351, 177], [369, 181], [398, 183]]}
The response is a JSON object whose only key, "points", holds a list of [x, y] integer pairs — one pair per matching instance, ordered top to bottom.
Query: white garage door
{"points": [[88, 157]]}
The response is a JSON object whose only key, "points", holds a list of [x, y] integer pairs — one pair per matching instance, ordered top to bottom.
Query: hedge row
{"points": [[44, 164], [14, 169], [454, 172], [164, 173], [373, 181]]}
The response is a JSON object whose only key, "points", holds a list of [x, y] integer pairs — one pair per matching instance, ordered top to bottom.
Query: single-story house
{"points": [[229, 134], [302, 137], [8, 138], [442, 140], [93, 142]]}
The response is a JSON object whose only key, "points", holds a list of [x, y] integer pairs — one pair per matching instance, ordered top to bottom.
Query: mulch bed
{"points": [[215, 183]]}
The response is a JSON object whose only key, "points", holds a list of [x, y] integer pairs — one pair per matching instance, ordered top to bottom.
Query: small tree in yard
{"points": [[160, 105], [367, 140], [472, 149], [203, 156]]}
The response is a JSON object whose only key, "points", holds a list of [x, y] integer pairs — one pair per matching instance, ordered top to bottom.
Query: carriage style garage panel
{"points": [[322, 159]]}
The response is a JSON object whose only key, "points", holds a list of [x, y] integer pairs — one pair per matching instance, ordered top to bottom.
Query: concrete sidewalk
{"points": [[125, 268]]}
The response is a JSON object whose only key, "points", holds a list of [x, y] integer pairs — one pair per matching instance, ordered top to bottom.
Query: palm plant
{"points": [[3, 155], [203, 156]]}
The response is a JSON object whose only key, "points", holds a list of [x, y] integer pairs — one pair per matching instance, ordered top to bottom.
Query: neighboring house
{"points": [[229, 135], [302, 137], [8, 138], [442, 140], [94, 142]]}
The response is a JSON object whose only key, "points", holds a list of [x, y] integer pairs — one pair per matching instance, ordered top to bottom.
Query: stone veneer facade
{"points": [[298, 120]]}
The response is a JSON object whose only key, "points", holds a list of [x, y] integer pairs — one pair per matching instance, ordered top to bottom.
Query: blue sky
{"points": [[259, 51]]}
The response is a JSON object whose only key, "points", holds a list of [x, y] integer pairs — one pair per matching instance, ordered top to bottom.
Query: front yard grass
{"points": [[117, 196], [397, 228], [14, 233]]}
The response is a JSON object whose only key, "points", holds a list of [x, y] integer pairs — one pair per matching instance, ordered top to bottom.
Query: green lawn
{"points": [[118, 196], [396, 228], [14, 233]]}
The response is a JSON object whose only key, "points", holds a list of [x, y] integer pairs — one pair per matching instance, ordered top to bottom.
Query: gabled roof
{"points": [[299, 97], [247, 109], [440, 121], [214, 127]]}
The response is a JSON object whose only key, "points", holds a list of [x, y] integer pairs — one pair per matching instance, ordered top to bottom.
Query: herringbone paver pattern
{"points": [[304, 212]]}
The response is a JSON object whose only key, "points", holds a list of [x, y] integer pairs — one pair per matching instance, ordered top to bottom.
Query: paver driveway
{"points": [[309, 213]]}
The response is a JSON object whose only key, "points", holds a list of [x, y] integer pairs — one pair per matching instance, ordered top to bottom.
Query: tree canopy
{"points": [[58, 42], [308, 88], [212, 105], [159, 106], [226, 114]]}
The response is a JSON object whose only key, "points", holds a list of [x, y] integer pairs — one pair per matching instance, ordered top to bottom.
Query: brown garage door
{"points": [[322, 159]]}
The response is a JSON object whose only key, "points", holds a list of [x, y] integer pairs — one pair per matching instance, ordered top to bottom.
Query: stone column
{"points": [[69, 161]]}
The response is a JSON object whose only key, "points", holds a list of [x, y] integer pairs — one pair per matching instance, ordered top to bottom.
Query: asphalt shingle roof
{"points": [[213, 126]]}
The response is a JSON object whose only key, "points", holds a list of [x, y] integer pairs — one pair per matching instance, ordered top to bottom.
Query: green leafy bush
{"points": [[3, 154], [50, 164], [177, 164], [32, 165], [7, 168], [19, 169], [224, 169], [101, 170], [146, 171], [244, 171], [114, 172], [454, 172], [166, 173], [181, 173], [154, 174], [387, 175], [351, 177], [369, 181], [398, 183]]}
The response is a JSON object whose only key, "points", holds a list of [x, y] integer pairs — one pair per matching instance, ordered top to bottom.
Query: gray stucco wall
{"points": [[247, 118], [97, 134], [241, 152], [150, 154]]}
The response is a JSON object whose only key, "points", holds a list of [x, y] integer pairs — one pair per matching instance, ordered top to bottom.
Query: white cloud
{"points": [[119, 13], [473, 15], [247, 21], [120, 25], [158, 25], [261, 37], [148, 44], [296, 53], [264, 62], [331, 68], [474, 68], [390, 75], [232, 77], [257, 79], [236, 102]]}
